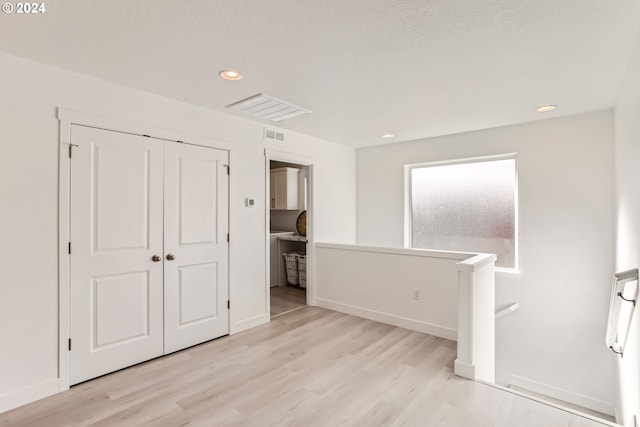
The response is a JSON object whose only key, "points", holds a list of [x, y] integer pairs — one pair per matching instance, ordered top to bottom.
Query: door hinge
{"points": [[71, 149], [228, 169], [228, 238], [69, 248], [228, 304], [69, 344]]}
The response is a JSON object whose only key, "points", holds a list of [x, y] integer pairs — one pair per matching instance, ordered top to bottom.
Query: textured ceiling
{"points": [[416, 68]]}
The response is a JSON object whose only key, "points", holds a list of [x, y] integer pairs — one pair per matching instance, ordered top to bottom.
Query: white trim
{"points": [[118, 125], [285, 156], [489, 158], [309, 162], [407, 207], [230, 212], [64, 215], [516, 219], [267, 227], [311, 247], [399, 251], [476, 262], [505, 272], [390, 319], [249, 323], [464, 370], [28, 394], [563, 395], [548, 403]]}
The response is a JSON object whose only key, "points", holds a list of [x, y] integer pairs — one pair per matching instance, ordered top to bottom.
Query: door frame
{"points": [[66, 118], [309, 162]]}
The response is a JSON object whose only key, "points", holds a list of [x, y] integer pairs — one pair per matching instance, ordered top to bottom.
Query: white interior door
{"points": [[196, 248], [116, 289]]}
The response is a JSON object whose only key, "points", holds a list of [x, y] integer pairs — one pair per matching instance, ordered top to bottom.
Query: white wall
{"points": [[31, 92], [627, 161], [566, 243], [347, 283], [455, 297]]}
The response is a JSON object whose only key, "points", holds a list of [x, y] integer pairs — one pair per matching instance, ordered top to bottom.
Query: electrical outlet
{"points": [[417, 294]]}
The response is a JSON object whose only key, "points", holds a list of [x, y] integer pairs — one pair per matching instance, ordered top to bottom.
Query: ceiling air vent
{"points": [[267, 107], [272, 134]]}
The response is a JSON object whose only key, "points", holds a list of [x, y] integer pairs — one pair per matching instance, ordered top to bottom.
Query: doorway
{"points": [[288, 257]]}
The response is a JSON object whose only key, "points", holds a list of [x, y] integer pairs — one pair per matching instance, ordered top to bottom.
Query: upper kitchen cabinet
{"points": [[284, 189]]}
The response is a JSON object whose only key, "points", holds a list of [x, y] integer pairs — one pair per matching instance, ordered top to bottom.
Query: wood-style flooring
{"points": [[286, 298], [309, 367]]}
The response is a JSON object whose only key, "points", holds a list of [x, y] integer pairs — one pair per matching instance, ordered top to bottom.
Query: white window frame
{"points": [[515, 270]]}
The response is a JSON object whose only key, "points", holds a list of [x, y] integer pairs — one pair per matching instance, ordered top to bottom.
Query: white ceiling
{"points": [[416, 68]]}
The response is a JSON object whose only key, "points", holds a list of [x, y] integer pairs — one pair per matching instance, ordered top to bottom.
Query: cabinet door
{"points": [[284, 189], [281, 190], [116, 228], [196, 263]]}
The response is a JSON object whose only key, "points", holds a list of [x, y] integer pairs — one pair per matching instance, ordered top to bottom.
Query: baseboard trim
{"points": [[390, 319], [249, 323], [464, 370], [28, 394], [562, 394], [547, 402]]}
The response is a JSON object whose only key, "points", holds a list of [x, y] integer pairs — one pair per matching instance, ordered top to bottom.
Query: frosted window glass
{"points": [[467, 207]]}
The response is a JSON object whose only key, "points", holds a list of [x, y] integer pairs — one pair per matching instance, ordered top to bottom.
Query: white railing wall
{"points": [[442, 293], [476, 318]]}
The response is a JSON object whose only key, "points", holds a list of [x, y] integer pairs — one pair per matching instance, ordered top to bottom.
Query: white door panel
{"points": [[121, 197], [197, 200], [196, 226], [116, 227], [197, 293], [110, 297]]}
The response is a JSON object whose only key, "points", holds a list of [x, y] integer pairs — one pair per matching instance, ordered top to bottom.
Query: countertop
{"points": [[294, 237]]}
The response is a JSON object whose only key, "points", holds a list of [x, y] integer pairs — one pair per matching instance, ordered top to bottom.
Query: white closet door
{"points": [[116, 229], [196, 248]]}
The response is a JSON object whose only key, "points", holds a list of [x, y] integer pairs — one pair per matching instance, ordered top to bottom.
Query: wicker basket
{"points": [[291, 262], [302, 270]]}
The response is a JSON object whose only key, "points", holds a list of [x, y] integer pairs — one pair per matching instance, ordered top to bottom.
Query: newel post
{"points": [[476, 318]]}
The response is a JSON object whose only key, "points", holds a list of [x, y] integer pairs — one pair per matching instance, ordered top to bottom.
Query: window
{"points": [[468, 205]]}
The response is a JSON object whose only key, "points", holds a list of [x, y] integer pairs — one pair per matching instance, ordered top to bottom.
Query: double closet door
{"points": [[149, 251]]}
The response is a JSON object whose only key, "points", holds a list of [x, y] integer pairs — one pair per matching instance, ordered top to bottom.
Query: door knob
{"points": [[171, 257], [156, 258]]}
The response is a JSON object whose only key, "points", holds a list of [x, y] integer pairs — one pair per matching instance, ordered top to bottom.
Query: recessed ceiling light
{"points": [[230, 75], [546, 108], [388, 135]]}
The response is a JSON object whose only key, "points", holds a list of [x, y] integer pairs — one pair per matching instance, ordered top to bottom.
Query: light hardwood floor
{"points": [[285, 298], [310, 367]]}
